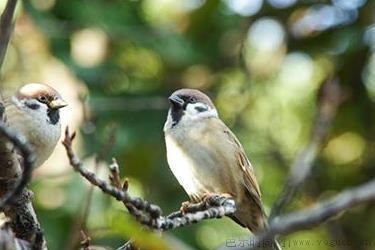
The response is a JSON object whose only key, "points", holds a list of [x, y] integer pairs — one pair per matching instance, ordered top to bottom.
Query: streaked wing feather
{"points": [[247, 169]]}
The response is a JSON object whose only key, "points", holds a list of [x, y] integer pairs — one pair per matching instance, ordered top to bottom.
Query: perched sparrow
{"points": [[33, 112], [206, 157]]}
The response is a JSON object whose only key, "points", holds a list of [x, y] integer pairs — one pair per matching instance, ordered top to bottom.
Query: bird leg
{"points": [[216, 199], [207, 200], [185, 206]]}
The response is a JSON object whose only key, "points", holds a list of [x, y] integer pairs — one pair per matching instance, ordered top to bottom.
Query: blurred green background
{"points": [[262, 62]]}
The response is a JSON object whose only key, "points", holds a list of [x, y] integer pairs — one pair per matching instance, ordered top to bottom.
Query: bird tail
{"points": [[253, 216], [261, 224], [270, 244], [275, 245]]}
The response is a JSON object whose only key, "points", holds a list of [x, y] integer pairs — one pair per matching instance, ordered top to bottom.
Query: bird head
{"points": [[40, 101], [190, 105]]}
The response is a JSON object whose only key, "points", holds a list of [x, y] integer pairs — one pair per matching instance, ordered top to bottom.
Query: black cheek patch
{"points": [[33, 106], [200, 109], [53, 115], [176, 116]]}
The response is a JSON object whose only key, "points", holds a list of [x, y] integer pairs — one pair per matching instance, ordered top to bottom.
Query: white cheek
{"points": [[190, 109], [193, 113], [39, 114]]}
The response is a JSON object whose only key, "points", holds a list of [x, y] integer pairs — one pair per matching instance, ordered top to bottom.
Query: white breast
{"points": [[41, 135], [197, 163], [183, 167]]}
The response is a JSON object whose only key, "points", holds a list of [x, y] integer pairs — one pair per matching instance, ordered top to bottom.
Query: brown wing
{"points": [[245, 165], [240, 181], [250, 212]]}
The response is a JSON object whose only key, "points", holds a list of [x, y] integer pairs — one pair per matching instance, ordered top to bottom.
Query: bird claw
{"points": [[216, 199], [185, 207]]}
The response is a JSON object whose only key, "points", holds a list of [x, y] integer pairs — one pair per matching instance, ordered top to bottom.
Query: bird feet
{"points": [[216, 199], [207, 200], [185, 206]]}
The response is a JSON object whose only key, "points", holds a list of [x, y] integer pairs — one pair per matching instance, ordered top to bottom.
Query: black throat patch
{"points": [[53, 115], [176, 115]]}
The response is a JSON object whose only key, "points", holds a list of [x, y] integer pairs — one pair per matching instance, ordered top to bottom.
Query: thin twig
{"points": [[146, 213], [318, 214], [80, 222]]}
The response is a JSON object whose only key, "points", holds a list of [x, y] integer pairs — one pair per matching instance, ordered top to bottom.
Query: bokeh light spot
{"points": [[282, 3], [349, 4], [43, 5], [244, 7], [174, 12], [321, 17], [266, 34], [89, 47], [140, 62], [296, 69], [197, 76], [369, 77], [345, 148], [51, 197]]}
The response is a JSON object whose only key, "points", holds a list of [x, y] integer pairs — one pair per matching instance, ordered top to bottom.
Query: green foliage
{"points": [[263, 72]]}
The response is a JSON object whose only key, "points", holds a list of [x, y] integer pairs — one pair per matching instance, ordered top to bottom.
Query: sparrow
{"points": [[34, 113], [206, 157]]}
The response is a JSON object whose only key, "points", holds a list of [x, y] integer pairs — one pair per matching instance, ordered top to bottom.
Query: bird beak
{"points": [[176, 101], [57, 104]]}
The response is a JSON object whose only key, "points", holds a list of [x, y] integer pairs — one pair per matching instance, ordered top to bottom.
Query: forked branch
{"points": [[145, 212]]}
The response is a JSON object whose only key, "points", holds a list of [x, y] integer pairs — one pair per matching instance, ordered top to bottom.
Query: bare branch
{"points": [[6, 27], [330, 98], [25, 151], [15, 199], [146, 213], [318, 214], [80, 222]]}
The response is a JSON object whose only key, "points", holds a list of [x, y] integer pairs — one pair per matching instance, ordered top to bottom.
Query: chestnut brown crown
{"points": [[43, 93], [185, 96]]}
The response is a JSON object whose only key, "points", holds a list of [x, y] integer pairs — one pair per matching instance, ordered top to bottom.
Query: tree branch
{"points": [[6, 27], [330, 99], [12, 168], [15, 199], [149, 214], [316, 215]]}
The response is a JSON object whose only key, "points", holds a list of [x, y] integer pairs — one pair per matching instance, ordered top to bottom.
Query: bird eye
{"points": [[42, 99], [192, 100]]}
